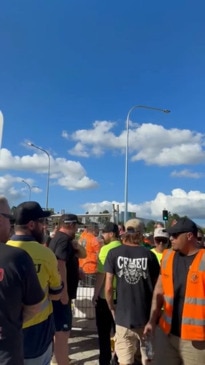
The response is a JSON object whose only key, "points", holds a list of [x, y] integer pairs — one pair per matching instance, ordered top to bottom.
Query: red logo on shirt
{"points": [[1, 274]]}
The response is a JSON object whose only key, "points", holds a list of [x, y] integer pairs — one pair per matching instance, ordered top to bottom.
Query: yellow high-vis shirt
{"points": [[46, 266]]}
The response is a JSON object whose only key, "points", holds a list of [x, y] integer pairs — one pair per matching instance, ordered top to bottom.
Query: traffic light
{"points": [[165, 215]]}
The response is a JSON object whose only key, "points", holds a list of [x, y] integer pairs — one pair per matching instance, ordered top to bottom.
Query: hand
{"points": [[75, 244], [81, 274], [94, 299], [149, 329]]}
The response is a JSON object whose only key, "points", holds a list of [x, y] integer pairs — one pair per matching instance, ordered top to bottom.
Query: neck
{"points": [[65, 230], [23, 232], [130, 244], [159, 248], [190, 251]]}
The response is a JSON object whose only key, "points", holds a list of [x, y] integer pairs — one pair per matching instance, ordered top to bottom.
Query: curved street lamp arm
{"points": [[127, 148], [49, 167], [29, 188]]}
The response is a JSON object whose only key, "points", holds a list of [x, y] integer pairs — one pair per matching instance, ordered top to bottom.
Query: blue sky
{"points": [[69, 73]]}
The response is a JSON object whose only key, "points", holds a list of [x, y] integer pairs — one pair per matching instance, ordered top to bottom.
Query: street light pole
{"points": [[127, 149], [49, 167], [29, 189]]}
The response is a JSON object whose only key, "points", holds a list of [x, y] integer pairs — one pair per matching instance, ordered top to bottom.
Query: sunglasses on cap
{"points": [[8, 216], [175, 235], [161, 240]]}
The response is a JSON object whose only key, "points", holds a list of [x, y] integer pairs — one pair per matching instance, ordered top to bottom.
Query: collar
{"points": [[22, 237]]}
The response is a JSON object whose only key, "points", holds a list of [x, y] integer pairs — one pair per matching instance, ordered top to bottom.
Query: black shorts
{"points": [[62, 316]]}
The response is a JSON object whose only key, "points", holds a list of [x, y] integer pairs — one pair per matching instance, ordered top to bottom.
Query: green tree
{"points": [[13, 209], [172, 217], [102, 219], [150, 226]]}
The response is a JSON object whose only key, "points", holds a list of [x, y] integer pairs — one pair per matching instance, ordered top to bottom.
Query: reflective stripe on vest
{"points": [[165, 258], [202, 263], [168, 299], [194, 301], [193, 314], [166, 318], [193, 321]]}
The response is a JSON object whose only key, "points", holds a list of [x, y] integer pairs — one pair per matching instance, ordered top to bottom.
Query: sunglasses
{"points": [[9, 216], [175, 235], [199, 238], [161, 240]]}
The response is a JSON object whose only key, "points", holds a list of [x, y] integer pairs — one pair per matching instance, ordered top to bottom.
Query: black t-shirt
{"points": [[61, 245], [181, 266], [136, 269], [19, 285]]}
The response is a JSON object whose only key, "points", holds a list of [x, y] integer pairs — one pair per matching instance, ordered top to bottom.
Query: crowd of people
{"points": [[146, 293]]}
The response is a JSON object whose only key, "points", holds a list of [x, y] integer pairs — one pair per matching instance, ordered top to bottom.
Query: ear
{"points": [[31, 225], [189, 236]]}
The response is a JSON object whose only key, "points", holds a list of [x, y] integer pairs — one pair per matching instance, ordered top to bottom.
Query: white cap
{"points": [[161, 232]]}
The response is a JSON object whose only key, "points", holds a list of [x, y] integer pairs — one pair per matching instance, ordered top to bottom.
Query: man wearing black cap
{"points": [[62, 245], [180, 289], [20, 292], [104, 319], [39, 331]]}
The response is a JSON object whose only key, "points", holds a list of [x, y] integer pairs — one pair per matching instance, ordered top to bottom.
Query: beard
{"points": [[38, 235]]}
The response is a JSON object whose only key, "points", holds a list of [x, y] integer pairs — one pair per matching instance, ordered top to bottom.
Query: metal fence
{"points": [[83, 307]]}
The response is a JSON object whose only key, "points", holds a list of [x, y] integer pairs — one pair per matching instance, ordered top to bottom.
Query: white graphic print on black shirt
{"points": [[132, 269], [136, 269]]}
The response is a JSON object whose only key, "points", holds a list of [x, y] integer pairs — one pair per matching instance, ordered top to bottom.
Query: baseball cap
{"points": [[29, 211], [69, 218], [134, 225], [183, 225], [111, 227], [161, 232]]}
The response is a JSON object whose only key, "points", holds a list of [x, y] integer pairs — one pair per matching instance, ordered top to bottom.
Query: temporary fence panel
{"points": [[82, 305]]}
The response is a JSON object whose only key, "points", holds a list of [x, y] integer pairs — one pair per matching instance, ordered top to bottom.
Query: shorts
{"points": [[62, 316], [128, 342], [170, 349], [43, 359]]}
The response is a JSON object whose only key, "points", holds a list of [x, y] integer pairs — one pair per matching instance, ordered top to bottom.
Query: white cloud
{"points": [[65, 135], [95, 141], [149, 142], [79, 150], [69, 174], [187, 174], [14, 189], [179, 201], [96, 208]]}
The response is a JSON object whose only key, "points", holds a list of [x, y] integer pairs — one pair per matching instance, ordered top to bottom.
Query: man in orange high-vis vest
{"points": [[89, 240], [180, 290]]}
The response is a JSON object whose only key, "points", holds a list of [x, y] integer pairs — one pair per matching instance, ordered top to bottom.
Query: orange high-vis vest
{"points": [[92, 247], [193, 314]]}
